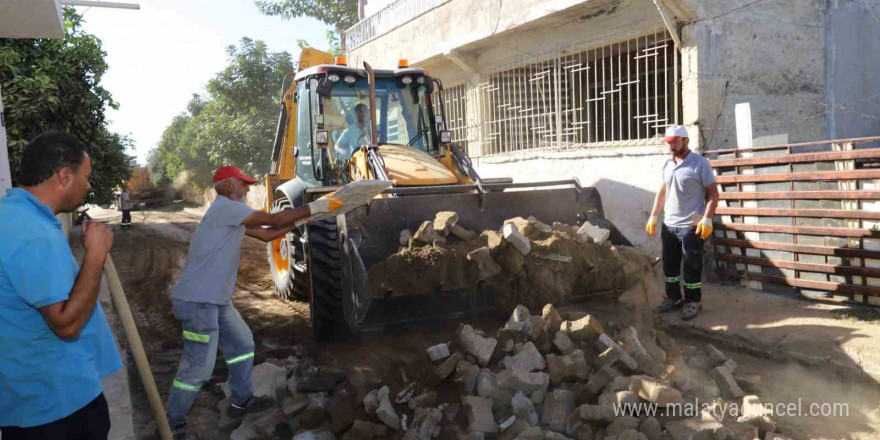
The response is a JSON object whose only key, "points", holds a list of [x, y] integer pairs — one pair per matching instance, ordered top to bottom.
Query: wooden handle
{"points": [[137, 347]]}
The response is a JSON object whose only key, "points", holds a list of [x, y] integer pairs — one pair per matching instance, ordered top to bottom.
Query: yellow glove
{"points": [[651, 226], [704, 228]]}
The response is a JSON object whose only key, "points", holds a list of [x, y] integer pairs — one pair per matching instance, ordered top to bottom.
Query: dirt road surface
{"points": [[150, 255]]}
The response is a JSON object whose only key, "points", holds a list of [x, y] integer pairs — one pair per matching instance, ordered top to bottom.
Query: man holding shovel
{"points": [[202, 298]]}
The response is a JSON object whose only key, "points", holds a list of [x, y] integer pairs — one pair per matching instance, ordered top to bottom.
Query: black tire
{"points": [[325, 269], [293, 284]]}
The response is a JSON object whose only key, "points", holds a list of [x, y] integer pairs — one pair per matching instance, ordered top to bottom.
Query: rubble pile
{"points": [[525, 262], [540, 377]]}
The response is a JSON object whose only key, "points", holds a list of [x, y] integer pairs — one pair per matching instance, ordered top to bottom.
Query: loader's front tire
{"points": [[283, 253], [325, 269]]}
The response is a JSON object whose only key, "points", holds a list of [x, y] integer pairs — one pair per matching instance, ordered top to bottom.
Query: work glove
{"points": [[324, 204], [651, 226], [704, 228]]}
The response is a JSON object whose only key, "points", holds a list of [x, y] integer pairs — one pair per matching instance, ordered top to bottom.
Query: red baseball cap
{"points": [[227, 171]]}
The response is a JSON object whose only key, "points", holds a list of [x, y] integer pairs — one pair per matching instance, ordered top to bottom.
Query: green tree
{"points": [[338, 14], [55, 84], [233, 123]]}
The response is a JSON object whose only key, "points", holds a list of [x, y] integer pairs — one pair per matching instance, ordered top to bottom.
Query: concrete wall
{"points": [[853, 55], [627, 180]]}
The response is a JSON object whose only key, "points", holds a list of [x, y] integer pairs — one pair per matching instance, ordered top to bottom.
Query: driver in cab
{"points": [[354, 136]]}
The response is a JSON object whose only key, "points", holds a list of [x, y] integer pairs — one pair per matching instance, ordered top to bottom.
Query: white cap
{"points": [[676, 131]]}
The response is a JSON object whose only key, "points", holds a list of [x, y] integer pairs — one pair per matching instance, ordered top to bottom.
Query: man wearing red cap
{"points": [[688, 197], [202, 298]]}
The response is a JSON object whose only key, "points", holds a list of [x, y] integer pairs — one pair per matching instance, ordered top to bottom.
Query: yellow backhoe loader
{"points": [[338, 124]]}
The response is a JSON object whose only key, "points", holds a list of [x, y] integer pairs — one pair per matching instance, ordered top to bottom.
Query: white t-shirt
{"points": [[352, 138], [124, 201]]}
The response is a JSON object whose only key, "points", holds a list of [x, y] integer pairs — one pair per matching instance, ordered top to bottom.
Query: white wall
{"points": [[627, 180]]}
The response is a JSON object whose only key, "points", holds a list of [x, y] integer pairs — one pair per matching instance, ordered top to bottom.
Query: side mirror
{"points": [[445, 136], [322, 138]]}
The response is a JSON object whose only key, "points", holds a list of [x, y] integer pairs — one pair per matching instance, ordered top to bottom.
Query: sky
{"points": [[160, 55]]}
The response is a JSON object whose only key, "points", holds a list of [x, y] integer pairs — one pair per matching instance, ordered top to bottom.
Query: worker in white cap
{"points": [[687, 197]]}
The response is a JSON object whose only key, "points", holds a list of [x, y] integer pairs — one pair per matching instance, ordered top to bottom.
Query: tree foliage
{"points": [[340, 14], [55, 84], [233, 123]]}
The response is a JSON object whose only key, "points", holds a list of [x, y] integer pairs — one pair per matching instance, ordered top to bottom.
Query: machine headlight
{"points": [[333, 77], [349, 79], [406, 80], [420, 80], [445, 136], [322, 137]]}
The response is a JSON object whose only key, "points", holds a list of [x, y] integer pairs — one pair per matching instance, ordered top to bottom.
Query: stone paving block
{"points": [[444, 220], [462, 233], [516, 239], [486, 266], [552, 318], [584, 329], [605, 342], [563, 343], [476, 345], [438, 352], [716, 356], [528, 359], [446, 368], [568, 368], [466, 377], [724, 378], [515, 380], [485, 382], [660, 393], [557, 405], [524, 409], [478, 411], [386, 412], [602, 414], [621, 424], [651, 428]]}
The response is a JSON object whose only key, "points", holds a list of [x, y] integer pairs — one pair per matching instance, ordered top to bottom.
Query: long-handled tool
{"points": [[137, 347]]}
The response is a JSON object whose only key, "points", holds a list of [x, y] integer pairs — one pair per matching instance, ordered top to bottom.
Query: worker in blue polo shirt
{"points": [[55, 344]]}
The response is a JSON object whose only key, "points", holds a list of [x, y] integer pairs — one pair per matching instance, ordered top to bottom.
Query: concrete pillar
{"points": [[476, 108]]}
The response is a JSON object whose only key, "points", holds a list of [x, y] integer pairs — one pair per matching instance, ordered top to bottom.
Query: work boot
{"points": [[668, 306], [690, 310], [253, 405], [178, 432]]}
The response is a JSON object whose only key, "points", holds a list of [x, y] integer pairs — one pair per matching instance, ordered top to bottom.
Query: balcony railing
{"points": [[392, 16]]}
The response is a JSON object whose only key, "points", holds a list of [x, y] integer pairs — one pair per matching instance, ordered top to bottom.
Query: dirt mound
{"points": [[560, 264]]}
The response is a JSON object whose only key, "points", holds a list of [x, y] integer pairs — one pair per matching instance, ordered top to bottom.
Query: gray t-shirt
{"points": [[686, 190], [212, 262]]}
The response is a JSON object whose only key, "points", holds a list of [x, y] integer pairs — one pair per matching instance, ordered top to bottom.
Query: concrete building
{"points": [[542, 89]]}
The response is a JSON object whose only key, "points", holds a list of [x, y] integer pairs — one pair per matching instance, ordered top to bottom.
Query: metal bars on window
{"points": [[624, 93]]}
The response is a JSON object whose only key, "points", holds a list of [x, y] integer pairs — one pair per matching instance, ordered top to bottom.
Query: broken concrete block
{"points": [[444, 220], [539, 225], [524, 226], [588, 232], [426, 233], [462, 233], [405, 235], [516, 239], [495, 241], [511, 260], [487, 267], [520, 314], [552, 319], [584, 329], [630, 337], [605, 342], [563, 343], [476, 345], [439, 351], [716, 357], [607, 358], [528, 359], [730, 364], [648, 365], [572, 367], [446, 368], [466, 376], [267, 378], [724, 378], [522, 381], [598, 381], [485, 382], [749, 383], [315, 385], [660, 393], [539, 394], [502, 398], [620, 398], [423, 400], [371, 402], [558, 404], [292, 405], [524, 409], [478, 411], [386, 412], [602, 414], [425, 420], [574, 424], [621, 424], [704, 427], [651, 428], [362, 430], [741, 431], [511, 432], [551, 435], [775, 436]]}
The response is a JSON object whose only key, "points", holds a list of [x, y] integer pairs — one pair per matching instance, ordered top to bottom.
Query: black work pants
{"points": [[126, 216], [682, 244], [92, 422]]}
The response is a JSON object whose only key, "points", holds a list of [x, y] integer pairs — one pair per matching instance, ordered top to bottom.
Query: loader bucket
{"points": [[370, 235]]}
